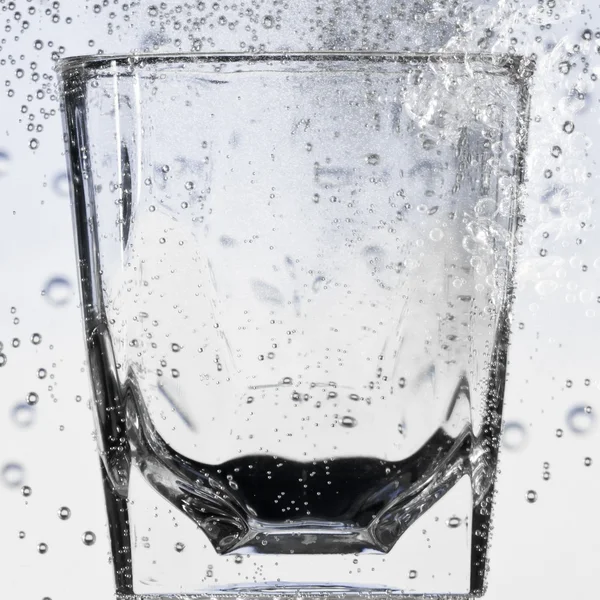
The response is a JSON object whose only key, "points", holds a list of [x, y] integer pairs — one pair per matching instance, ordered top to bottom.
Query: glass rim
{"points": [[512, 63]]}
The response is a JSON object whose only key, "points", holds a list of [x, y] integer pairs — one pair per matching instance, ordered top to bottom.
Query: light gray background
{"points": [[547, 549]]}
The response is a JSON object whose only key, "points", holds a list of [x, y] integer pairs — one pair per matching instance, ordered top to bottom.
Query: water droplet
{"points": [[568, 127], [372, 159], [58, 291], [175, 347], [32, 398], [23, 415], [348, 421], [587, 461], [13, 475], [531, 496], [64, 512], [453, 522], [88, 538], [179, 547], [42, 548], [412, 574]]}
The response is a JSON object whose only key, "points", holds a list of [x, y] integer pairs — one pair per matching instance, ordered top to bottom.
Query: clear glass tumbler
{"points": [[296, 274]]}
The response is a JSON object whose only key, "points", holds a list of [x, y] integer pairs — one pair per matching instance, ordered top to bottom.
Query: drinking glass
{"points": [[296, 277]]}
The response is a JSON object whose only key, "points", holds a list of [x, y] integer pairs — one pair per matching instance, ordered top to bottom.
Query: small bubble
{"points": [[152, 11], [268, 22], [587, 34], [38, 44], [564, 67], [568, 127], [34, 143], [556, 151], [372, 159], [165, 168], [189, 185], [316, 198], [436, 234], [58, 291], [36, 338], [16, 342], [175, 347], [3, 359], [42, 373], [175, 373], [402, 382], [354, 397], [32, 398], [250, 399], [23, 415], [580, 419], [348, 421], [401, 428], [559, 433], [587, 461], [13, 475], [546, 476], [26, 491], [531, 496], [64, 512], [453, 522], [21, 535], [88, 538], [179, 547], [239, 559], [412, 574]]}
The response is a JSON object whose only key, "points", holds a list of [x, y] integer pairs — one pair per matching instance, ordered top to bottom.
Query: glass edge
{"points": [[510, 62]]}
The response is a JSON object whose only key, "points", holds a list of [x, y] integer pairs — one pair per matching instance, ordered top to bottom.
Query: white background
{"points": [[547, 549]]}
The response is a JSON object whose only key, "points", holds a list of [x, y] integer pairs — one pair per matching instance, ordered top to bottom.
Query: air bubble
{"points": [[268, 22], [568, 127], [34, 143], [372, 159], [189, 185], [58, 291], [36, 338], [175, 347], [42, 373], [175, 373], [32, 398], [23, 415], [580, 419], [348, 421], [587, 461], [13, 475], [26, 491], [531, 496], [64, 512], [453, 522], [88, 538], [179, 547], [42, 548], [239, 559], [412, 574]]}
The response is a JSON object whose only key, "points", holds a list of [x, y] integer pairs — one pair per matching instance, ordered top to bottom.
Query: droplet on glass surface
{"points": [[58, 291], [32, 398], [23, 415], [348, 421], [13, 475], [531, 496], [453, 522], [88, 538], [179, 547], [42, 548], [412, 574]]}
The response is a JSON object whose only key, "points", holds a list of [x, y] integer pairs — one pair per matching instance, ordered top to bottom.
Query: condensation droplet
{"points": [[13, 475], [64, 512], [88, 538]]}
